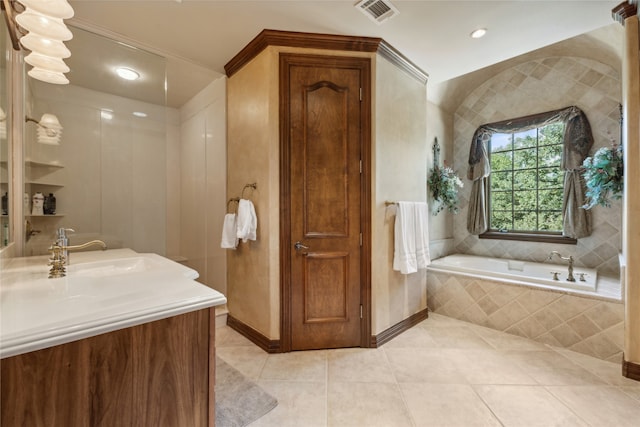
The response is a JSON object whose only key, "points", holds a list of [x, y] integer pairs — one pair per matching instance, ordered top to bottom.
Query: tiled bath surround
{"points": [[533, 87], [591, 326]]}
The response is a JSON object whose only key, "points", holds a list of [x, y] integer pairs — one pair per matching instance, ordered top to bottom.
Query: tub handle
{"points": [[555, 275], [582, 277]]}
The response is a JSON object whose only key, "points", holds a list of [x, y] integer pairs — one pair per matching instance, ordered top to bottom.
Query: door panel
{"points": [[325, 202]]}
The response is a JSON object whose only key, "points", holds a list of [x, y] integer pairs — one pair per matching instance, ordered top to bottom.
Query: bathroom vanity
{"points": [[124, 339]]}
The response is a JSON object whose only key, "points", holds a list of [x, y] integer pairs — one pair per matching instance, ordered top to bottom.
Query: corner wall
{"points": [[399, 173], [202, 187]]}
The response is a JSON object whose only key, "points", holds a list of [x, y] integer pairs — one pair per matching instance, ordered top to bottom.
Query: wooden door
{"points": [[323, 126]]}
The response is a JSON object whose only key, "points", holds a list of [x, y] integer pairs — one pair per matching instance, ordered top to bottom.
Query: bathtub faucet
{"points": [[569, 258]]}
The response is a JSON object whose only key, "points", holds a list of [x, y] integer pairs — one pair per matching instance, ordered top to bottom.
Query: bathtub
{"points": [[517, 272], [521, 298]]}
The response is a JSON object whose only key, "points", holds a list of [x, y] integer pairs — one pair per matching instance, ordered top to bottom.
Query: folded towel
{"points": [[247, 222], [422, 234], [411, 237], [229, 239], [404, 251]]}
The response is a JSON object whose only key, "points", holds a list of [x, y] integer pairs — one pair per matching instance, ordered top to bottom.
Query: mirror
{"points": [[5, 120], [108, 174]]}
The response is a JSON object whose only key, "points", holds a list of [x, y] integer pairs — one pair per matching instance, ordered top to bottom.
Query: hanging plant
{"points": [[603, 175], [443, 184]]}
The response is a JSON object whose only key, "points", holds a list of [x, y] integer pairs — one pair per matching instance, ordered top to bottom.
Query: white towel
{"points": [[247, 222], [422, 234], [411, 237], [229, 239], [404, 253]]}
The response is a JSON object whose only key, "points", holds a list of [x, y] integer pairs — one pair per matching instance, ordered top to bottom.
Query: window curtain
{"points": [[577, 142]]}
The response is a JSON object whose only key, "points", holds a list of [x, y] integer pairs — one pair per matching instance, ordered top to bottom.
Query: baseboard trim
{"points": [[388, 334], [270, 346], [630, 370]]}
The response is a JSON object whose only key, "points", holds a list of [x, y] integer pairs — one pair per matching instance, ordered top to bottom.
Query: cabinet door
{"points": [[171, 370], [157, 374], [48, 387]]}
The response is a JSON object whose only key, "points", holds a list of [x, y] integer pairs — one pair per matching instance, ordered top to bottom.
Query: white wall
{"points": [[203, 174], [114, 180]]}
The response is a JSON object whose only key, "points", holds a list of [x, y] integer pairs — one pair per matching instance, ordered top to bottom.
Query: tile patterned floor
{"points": [[442, 372]]}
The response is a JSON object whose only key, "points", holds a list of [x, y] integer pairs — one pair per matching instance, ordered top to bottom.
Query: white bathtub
{"points": [[517, 272]]}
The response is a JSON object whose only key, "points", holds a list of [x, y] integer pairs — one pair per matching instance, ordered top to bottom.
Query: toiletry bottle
{"points": [[5, 203], [50, 204], [37, 207]]}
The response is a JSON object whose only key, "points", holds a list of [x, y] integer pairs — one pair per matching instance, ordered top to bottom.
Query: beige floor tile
{"points": [[436, 320], [458, 336], [227, 337], [413, 338], [504, 341], [248, 360], [361, 365], [425, 365], [296, 366], [490, 367], [551, 368], [610, 372], [442, 373], [633, 391], [299, 404], [366, 404], [452, 405], [600, 405], [527, 406]]}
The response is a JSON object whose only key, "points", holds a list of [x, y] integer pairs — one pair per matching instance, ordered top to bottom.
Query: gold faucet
{"points": [[58, 260]]}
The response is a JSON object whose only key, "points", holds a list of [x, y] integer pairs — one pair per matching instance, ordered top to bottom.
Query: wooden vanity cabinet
{"points": [[156, 374]]}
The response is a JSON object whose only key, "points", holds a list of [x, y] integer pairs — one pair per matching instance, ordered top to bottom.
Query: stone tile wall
{"points": [[534, 87], [591, 326]]}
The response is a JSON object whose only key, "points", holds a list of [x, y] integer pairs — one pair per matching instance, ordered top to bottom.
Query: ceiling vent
{"points": [[377, 10]]}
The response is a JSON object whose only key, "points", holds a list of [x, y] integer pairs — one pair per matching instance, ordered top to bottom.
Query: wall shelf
{"points": [[43, 164], [48, 184]]}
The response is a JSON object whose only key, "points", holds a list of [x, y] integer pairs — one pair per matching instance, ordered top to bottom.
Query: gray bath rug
{"points": [[239, 401]]}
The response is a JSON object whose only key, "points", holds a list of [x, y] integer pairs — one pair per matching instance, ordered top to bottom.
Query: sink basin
{"points": [[141, 263], [113, 267]]}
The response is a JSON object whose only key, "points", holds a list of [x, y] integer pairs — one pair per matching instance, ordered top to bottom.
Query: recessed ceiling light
{"points": [[480, 32], [127, 73], [106, 114], [139, 114]]}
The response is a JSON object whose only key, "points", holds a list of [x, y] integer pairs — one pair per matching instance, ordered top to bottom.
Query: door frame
{"points": [[364, 65]]}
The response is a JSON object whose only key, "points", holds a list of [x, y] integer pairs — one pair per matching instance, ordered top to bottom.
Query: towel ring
{"points": [[253, 186], [235, 199]]}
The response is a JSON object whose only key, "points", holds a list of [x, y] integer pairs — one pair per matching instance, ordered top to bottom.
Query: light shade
{"points": [[55, 8], [42, 19], [46, 26], [45, 46], [46, 62], [48, 76], [49, 130]]}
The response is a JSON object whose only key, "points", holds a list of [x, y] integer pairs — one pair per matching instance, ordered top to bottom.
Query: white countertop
{"points": [[103, 291]]}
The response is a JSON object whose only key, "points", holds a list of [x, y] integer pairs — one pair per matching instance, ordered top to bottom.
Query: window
{"points": [[526, 178], [526, 181]]}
